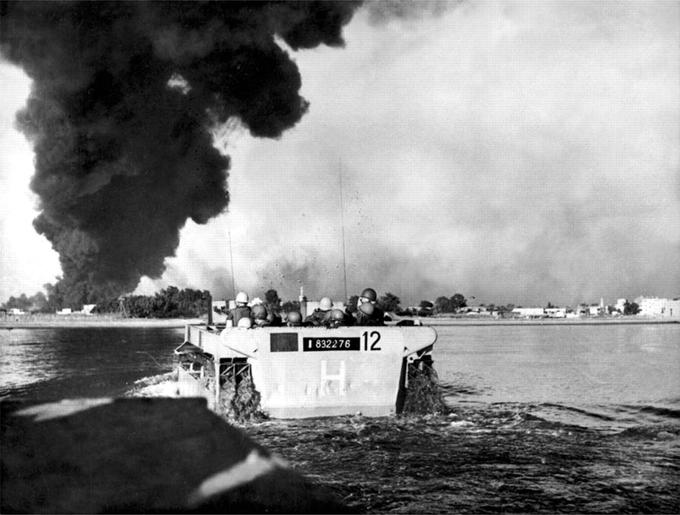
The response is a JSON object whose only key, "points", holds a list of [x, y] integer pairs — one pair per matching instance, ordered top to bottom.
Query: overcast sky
{"points": [[514, 152]]}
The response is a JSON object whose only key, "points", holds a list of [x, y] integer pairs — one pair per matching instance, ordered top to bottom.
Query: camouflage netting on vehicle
{"points": [[201, 363], [423, 393], [239, 399]]}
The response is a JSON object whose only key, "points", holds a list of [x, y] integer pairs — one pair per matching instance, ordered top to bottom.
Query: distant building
{"points": [[620, 304], [658, 307], [673, 308], [87, 309], [581, 310], [591, 310], [16, 311], [65, 311], [476, 311], [529, 312], [556, 312], [218, 315]]}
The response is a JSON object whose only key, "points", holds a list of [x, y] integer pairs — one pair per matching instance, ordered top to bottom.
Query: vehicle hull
{"points": [[303, 372]]}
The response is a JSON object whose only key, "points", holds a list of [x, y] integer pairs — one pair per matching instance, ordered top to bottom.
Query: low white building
{"points": [[658, 307], [673, 308], [87, 309], [477, 310], [581, 310], [65, 311], [529, 312], [556, 312]]}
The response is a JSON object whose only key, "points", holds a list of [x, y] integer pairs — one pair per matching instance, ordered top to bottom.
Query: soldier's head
{"points": [[368, 296], [241, 298], [325, 304], [367, 308], [259, 312], [337, 317], [294, 318], [245, 323]]}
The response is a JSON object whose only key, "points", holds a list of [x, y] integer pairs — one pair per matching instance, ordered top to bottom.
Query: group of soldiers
{"points": [[367, 313], [326, 315]]}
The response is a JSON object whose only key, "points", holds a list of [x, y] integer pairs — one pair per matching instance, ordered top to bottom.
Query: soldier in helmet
{"points": [[240, 311], [259, 313], [368, 313], [322, 314], [273, 316], [340, 317], [294, 319], [245, 323]]}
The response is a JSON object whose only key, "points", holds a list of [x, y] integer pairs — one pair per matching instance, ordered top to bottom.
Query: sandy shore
{"points": [[49, 321]]}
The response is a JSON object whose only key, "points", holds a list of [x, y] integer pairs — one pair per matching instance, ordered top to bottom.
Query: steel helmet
{"points": [[370, 294], [242, 297], [325, 304], [367, 308], [259, 312], [337, 315], [294, 317], [245, 323]]}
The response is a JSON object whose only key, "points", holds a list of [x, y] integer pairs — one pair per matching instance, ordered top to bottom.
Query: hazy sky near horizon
{"points": [[518, 152]]}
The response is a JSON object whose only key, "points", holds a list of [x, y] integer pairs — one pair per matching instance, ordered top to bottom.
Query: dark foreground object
{"points": [[141, 455]]}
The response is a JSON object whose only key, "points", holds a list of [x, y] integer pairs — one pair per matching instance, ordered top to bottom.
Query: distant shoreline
{"points": [[80, 321], [83, 321], [545, 321]]}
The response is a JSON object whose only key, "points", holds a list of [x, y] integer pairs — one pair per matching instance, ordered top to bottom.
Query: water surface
{"points": [[37, 364], [586, 374], [543, 419]]}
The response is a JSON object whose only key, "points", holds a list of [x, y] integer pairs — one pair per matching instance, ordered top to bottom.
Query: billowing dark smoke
{"points": [[123, 99]]}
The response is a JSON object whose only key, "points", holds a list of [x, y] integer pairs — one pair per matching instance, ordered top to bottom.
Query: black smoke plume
{"points": [[123, 100]]}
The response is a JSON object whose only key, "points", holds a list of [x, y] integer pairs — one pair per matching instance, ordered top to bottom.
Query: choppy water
{"points": [[77, 362], [607, 376], [543, 418]]}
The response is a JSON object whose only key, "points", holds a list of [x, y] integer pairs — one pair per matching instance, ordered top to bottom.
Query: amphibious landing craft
{"points": [[302, 372]]}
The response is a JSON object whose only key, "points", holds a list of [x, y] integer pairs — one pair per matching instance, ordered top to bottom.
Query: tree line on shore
{"points": [[172, 302], [168, 303]]}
